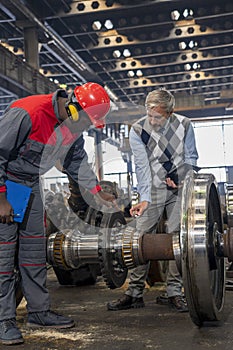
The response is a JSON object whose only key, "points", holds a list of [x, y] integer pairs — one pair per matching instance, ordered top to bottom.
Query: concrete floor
{"points": [[153, 327]]}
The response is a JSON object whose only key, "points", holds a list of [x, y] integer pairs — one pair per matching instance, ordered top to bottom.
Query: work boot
{"points": [[162, 299], [126, 302], [178, 303], [48, 319], [9, 333]]}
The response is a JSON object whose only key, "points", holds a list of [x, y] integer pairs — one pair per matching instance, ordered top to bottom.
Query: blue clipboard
{"points": [[18, 196]]}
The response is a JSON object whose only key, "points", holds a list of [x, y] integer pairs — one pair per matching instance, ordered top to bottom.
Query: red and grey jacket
{"points": [[33, 138]]}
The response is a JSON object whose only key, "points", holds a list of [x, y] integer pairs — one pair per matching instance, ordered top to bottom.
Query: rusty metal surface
{"points": [[156, 247]]}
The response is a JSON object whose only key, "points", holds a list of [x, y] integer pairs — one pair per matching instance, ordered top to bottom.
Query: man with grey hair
{"points": [[164, 149]]}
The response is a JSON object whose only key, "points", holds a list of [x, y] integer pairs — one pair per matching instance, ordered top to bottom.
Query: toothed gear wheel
{"points": [[58, 250], [110, 256]]}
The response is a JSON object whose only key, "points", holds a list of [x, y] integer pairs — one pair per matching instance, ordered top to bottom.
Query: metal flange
{"points": [[201, 237], [112, 265]]}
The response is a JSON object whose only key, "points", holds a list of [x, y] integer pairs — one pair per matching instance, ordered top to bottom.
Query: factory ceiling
{"points": [[131, 47]]}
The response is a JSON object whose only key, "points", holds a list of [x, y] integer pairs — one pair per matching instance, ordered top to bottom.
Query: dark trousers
{"points": [[27, 242]]}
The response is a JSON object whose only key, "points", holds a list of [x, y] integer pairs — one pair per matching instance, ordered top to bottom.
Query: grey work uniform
{"points": [[32, 139]]}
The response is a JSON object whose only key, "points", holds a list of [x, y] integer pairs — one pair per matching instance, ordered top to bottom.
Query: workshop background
{"points": [[130, 47]]}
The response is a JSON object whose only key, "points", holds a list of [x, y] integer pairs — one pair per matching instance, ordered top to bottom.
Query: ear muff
{"points": [[72, 112]]}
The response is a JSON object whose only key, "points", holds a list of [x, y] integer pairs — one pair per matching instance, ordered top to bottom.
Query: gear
{"points": [[58, 250], [110, 256]]}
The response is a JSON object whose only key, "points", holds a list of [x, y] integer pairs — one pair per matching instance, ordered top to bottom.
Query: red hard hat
{"points": [[95, 101]]}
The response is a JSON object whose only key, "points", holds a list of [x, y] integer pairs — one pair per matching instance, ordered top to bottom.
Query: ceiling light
{"points": [[188, 13], [175, 15], [108, 24], [96, 25], [192, 44], [182, 45], [116, 53], [126, 53], [187, 66], [196, 66], [130, 73], [139, 73]]}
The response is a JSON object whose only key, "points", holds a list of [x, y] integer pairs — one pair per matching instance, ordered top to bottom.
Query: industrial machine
{"points": [[78, 211], [200, 248]]}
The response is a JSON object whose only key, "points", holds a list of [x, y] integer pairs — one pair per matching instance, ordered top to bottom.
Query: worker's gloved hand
{"points": [[6, 210]]}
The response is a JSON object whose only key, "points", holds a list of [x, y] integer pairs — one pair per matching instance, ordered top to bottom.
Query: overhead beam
{"points": [[87, 6], [113, 39], [59, 45], [182, 58], [193, 77], [20, 78]]}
